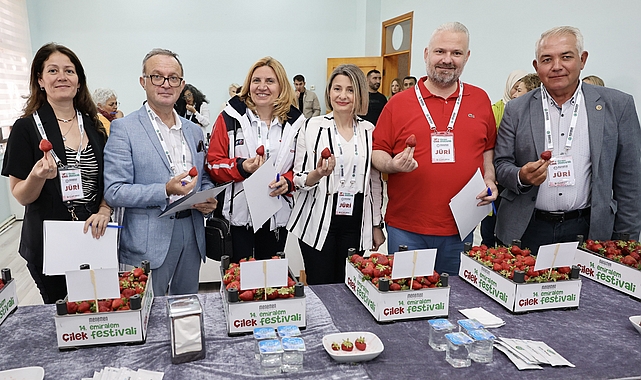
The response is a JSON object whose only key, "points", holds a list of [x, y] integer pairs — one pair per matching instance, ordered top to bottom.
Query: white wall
{"points": [[503, 34]]}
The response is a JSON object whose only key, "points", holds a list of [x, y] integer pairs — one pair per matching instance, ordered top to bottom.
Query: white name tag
{"points": [[442, 147], [561, 172], [70, 183], [345, 205]]}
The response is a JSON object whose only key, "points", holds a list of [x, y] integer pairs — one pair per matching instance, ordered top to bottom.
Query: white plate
{"points": [[635, 322], [373, 349], [25, 373]]}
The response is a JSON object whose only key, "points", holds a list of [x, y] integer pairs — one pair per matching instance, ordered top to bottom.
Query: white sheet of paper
{"points": [[188, 201], [261, 205], [464, 205], [66, 247], [556, 255], [404, 263], [263, 273], [80, 287], [148, 375]]}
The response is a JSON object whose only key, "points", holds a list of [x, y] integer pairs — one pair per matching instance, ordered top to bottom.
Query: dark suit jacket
{"points": [[615, 152]]}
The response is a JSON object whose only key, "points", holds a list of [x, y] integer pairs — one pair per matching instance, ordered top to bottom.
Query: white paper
{"points": [[256, 187], [189, 200], [464, 205], [66, 247], [556, 255], [414, 263], [263, 273], [80, 286], [487, 319], [187, 334], [516, 349], [552, 356], [520, 364], [144, 374]]}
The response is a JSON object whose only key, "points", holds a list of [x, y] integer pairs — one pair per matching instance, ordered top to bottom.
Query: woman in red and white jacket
{"points": [[263, 114], [339, 194]]}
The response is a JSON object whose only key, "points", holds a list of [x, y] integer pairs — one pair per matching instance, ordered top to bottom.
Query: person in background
{"points": [[594, 80], [409, 82], [526, 84], [395, 87], [510, 88], [233, 89], [376, 100], [307, 101], [107, 102], [194, 106], [60, 110], [263, 114], [148, 158], [422, 180], [590, 186], [337, 207]]}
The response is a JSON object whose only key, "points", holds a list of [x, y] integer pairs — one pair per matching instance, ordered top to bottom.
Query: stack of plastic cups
{"points": [[438, 329], [260, 334], [483, 346], [293, 348], [458, 349], [271, 352]]}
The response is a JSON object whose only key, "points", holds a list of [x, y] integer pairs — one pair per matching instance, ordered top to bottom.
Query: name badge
{"points": [[442, 147], [561, 172], [70, 183], [345, 204]]}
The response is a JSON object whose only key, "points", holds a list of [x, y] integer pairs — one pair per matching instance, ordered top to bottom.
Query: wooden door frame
{"points": [[389, 73]]}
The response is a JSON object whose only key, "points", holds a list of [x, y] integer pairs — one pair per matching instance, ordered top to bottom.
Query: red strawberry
{"points": [[411, 141], [45, 145], [260, 150], [326, 153], [547, 155], [193, 171], [629, 260], [138, 272], [143, 278], [233, 284], [285, 292], [126, 293], [271, 293], [247, 295], [116, 304], [83, 307], [72, 308], [360, 344], [347, 345], [336, 346]]}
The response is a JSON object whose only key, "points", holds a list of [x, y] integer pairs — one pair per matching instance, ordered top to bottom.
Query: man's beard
{"points": [[443, 79], [375, 86]]}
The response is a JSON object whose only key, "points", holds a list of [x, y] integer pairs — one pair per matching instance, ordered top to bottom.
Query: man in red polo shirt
{"points": [[455, 132]]}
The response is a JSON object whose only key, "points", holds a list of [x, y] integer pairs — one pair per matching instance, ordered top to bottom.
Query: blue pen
{"points": [[277, 180], [489, 192], [109, 225]]}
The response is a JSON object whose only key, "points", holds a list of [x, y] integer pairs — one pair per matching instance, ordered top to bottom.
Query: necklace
{"points": [[66, 120], [64, 136]]}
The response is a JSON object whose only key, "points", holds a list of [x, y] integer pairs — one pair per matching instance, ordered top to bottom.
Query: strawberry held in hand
{"points": [[411, 141], [45, 145], [260, 150], [326, 153], [546, 156], [193, 171], [360, 344]]}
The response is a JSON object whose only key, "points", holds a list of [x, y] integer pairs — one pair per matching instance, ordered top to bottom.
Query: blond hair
{"points": [[359, 83]]}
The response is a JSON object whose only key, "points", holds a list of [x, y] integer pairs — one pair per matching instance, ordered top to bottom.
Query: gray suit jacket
{"points": [[615, 152], [136, 171]]}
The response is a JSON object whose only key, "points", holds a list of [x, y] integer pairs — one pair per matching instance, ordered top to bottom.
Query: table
{"points": [[597, 338]]}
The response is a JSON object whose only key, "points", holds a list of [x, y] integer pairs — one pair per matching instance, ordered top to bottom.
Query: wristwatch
{"points": [[381, 225]]}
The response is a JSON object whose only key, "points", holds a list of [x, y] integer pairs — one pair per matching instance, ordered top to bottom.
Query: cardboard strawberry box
{"points": [[611, 272], [520, 297], [8, 299], [399, 304], [284, 306], [107, 327]]}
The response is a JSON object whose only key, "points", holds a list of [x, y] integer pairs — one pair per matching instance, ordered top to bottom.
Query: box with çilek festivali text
{"points": [[612, 274], [8, 295], [520, 297], [400, 304], [283, 306], [102, 328]]}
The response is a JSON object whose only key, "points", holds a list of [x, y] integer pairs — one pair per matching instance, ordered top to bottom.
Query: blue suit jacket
{"points": [[615, 153], [136, 171]]}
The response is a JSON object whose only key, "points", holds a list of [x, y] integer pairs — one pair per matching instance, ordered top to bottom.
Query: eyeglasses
{"points": [[159, 80], [188, 95]]}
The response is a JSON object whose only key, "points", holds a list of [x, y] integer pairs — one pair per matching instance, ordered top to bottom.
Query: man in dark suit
{"points": [[147, 160], [591, 185]]}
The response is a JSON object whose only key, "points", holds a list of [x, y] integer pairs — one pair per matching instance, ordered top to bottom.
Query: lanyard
{"points": [[428, 116], [152, 118], [548, 123], [43, 134], [266, 143], [341, 157]]}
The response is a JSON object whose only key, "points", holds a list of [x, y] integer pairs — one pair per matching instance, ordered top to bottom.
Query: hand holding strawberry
{"points": [[410, 142], [45, 145], [260, 151], [326, 153], [546, 156], [193, 171]]}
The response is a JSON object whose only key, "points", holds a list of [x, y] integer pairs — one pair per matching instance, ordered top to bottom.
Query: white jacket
{"points": [[312, 213]]}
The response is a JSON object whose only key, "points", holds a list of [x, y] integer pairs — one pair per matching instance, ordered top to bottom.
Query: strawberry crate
{"points": [[610, 266], [8, 295], [520, 297], [400, 304], [286, 307], [106, 327]]}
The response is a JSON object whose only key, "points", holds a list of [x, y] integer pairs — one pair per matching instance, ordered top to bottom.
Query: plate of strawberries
{"points": [[636, 322], [353, 346]]}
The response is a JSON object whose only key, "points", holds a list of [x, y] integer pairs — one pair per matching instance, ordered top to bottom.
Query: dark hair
{"points": [[159, 51], [373, 71], [410, 77], [299, 78], [239, 89], [37, 97], [181, 103]]}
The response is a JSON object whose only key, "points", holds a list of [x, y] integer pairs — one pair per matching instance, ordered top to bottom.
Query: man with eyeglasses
{"points": [[147, 162]]}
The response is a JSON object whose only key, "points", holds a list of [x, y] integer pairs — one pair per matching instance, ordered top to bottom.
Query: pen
{"points": [[277, 180], [489, 192], [109, 225]]}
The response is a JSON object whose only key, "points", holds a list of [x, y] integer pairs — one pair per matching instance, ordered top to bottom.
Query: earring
{"points": [[42, 88]]}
